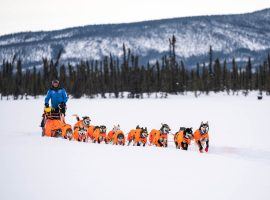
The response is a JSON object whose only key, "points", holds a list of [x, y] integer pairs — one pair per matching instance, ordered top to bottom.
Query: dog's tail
{"points": [[77, 117]]}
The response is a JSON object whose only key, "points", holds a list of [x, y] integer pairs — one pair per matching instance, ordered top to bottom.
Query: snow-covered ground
{"points": [[237, 166]]}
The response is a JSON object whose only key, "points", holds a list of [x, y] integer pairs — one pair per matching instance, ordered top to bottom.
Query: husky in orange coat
{"points": [[55, 125], [82, 129], [80, 134], [99, 134], [138, 136], [119, 137], [201, 137], [109, 138], [159, 138], [183, 138]]}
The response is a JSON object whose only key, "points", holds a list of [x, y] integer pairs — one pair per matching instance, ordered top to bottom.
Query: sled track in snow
{"points": [[228, 151], [234, 152], [243, 153]]}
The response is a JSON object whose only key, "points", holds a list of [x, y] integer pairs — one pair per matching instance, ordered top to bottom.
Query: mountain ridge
{"points": [[135, 22], [236, 35]]}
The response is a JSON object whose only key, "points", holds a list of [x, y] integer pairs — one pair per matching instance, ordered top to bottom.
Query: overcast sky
{"points": [[33, 15]]}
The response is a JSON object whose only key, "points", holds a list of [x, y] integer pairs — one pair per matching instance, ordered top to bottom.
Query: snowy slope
{"points": [[237, 36], [237, 166]]}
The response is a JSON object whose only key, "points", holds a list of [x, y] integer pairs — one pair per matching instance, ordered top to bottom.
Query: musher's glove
{"points": [[46, 105], [62, 105]]}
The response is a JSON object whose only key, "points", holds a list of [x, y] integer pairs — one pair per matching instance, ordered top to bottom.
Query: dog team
{"points": [[53, 125], [83, 131]]}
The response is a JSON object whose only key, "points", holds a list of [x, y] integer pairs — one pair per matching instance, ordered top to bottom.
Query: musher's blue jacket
{"points": [[57, 96]]}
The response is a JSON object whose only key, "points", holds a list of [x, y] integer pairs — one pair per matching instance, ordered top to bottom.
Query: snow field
{"points": [[236, 167]]}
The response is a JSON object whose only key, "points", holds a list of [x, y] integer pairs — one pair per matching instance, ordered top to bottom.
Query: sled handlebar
{"points": [[53, 115]]}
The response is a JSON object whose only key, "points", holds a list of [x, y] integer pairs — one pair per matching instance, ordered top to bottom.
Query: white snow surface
{"points": [[237, 165]]}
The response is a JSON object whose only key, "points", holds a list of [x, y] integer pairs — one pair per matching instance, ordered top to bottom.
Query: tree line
{"points": [[114, 76]]}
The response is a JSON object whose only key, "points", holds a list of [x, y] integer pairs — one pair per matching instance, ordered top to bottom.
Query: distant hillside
{"points": [[238, 36]]}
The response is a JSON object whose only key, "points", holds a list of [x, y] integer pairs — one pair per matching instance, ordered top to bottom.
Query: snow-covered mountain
{"points": [[237, 36]]}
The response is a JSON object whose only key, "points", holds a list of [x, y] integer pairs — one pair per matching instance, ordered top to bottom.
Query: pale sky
{"points": [[35, 15]]}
